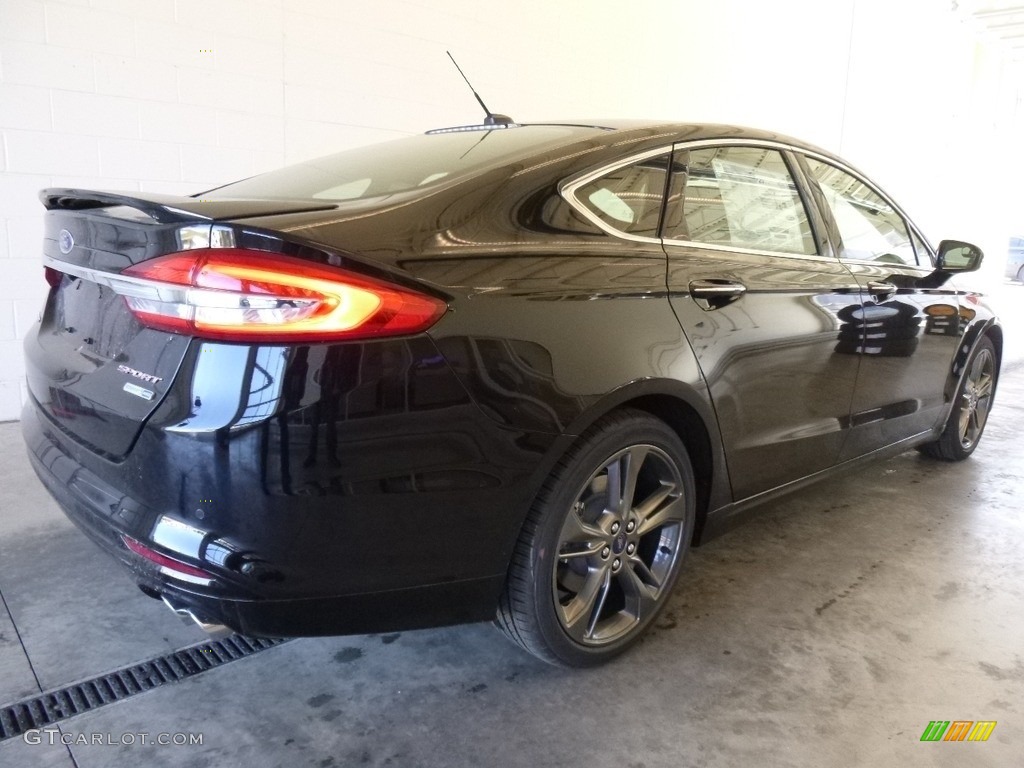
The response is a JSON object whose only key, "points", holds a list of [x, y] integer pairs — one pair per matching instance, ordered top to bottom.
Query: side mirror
{"points": [[957, 256]]}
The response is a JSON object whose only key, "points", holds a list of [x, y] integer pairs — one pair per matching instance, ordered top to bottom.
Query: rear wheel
{"points": [[970, 408], [601, 549]]}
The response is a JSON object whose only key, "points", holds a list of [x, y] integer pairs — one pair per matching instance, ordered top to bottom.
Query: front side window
{"points": [[737, 197], [628, 199], [871, 230], [924, 253]]}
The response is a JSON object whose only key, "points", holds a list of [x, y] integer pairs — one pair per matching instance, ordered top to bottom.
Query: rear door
{"points": [[759, 294], [908, 329]]}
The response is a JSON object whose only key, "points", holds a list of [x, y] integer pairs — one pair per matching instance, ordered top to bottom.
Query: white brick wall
{"points": [[178, 95]]}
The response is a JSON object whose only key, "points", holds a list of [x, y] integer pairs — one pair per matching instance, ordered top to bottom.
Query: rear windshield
{"points": [[399, 166]]}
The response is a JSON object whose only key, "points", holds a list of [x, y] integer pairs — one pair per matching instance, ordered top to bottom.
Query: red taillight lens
{"points": [[53, 277], [240, 295], [163, 560]]}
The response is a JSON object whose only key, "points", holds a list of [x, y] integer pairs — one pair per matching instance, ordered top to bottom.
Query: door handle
{"points": [[881, 288], [712, 294]]}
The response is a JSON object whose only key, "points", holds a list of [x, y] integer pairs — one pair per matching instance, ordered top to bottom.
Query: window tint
{"points": [[740, 197], [629, 199], [871, 230]]}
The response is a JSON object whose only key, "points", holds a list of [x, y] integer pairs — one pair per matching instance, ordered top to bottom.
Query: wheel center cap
{"points": [[619, 543]]}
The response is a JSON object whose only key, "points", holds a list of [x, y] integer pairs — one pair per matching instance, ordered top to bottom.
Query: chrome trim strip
{"points": [[767, 144], [567, 189], [882, 194], [749, 251], [123, 285], [154, 290]]}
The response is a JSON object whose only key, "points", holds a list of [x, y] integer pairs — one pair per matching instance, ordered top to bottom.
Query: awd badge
{"points": [[135, 389]]}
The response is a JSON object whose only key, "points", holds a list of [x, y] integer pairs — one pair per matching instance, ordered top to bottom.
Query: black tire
{"points": [[971, 407], [589, 573]]}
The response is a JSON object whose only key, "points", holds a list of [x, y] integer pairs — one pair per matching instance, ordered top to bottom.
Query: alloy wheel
{"points": [[976, 398], [618, 545]]}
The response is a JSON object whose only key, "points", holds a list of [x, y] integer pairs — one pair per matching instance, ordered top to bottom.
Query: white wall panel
{"points": [[178, 95]]}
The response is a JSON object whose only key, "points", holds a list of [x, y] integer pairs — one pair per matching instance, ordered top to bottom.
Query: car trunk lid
{"points": [[94, 369]]}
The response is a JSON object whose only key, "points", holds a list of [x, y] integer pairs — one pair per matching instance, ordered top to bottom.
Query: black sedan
{"points": [[506, 372]]}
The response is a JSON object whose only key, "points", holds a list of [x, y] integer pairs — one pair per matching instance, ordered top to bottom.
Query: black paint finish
{"points": [[381, 485]]}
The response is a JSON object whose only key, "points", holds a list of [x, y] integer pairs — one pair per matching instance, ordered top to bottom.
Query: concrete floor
{"points": [[827, 632]]}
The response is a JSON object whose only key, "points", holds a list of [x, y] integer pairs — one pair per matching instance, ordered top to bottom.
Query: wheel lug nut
{"points": [[630, 526], [615, 527], [630, 548], [605, 552], [616, 563]]}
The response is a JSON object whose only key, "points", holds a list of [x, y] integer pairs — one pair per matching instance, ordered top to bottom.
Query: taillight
{"points": [[53, 277], [239, 295]]}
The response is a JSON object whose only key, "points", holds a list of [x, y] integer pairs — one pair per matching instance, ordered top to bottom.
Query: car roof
{"points": [[681, 131], [533, 154]]}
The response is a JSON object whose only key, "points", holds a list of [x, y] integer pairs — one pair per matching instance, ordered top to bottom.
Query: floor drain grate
{"points": [[60, 704]]}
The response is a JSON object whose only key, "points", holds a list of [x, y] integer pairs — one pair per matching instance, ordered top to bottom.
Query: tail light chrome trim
{"points": [[120, 284], [243, 295]]}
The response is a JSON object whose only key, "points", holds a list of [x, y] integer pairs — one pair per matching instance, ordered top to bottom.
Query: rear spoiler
{"points": [[174, 209]]}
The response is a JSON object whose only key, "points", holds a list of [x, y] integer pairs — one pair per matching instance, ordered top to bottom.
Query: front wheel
{"points": [[970, 408], [601, 549]]}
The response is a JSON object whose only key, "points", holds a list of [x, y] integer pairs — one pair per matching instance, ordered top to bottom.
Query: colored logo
{"points": [[958, 730]]}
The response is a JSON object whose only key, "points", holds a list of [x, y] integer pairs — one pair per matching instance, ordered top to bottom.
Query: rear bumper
{"points": [[97, 508], [346, 560], [394, 610]]}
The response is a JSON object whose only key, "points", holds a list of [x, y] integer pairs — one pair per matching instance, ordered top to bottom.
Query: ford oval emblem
{"points": [[65, 241]]}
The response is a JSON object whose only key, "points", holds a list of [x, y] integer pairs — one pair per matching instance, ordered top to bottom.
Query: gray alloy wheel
{"points": [[976, 397], [971, 407], [618, 545], [601, 549]]}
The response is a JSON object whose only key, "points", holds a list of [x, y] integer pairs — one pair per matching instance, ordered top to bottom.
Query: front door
{"points": [[908, 329]]}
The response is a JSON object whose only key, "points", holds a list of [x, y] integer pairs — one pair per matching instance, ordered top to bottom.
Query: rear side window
{"points": [[737, 197], [628, 199], [870, 228]]}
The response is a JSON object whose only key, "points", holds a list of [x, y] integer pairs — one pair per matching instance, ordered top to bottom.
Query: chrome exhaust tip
{"points": [[187, 615]]}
